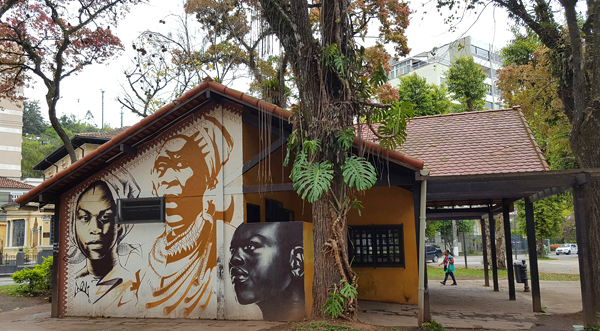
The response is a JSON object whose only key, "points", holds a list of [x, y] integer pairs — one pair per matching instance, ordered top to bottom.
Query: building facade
{"points": [[434, 64], [11, 129]]}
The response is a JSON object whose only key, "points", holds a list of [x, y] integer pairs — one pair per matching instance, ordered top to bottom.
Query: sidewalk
{"points": [[467, 306], [473, 306]]}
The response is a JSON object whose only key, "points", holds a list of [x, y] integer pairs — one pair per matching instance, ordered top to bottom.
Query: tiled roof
{"points": [[151, 125], [107, 134], [472, 143], [9, 183]]}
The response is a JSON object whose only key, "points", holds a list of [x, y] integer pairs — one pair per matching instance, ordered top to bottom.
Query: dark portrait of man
{"points": [[96, 231], [267, 268]]}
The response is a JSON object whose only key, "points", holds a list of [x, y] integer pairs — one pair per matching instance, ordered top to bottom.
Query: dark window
{"points": [[141, 210], [274, 212], [252, 213], [18, 238], [376, 246]]}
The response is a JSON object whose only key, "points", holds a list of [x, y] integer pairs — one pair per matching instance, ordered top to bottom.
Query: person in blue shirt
{"points": [[448, 267]]}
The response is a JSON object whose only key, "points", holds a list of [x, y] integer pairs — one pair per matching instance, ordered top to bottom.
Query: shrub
{"points": [[554, 247], [37, 279], [431, 326]]}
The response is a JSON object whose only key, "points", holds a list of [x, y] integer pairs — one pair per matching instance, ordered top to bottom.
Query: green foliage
{"points": [[520, 49], [465, 82], [427, 99], [33, 122], [393, 124], [346, 138], [33, 150], [358, 173], [311, 180], [547, 214], [444, 228], [37, 279], [334, 306], [431, 326], [592, 328]]}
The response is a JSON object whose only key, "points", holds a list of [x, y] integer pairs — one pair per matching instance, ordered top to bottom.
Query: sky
{"points": [[82, 92]]}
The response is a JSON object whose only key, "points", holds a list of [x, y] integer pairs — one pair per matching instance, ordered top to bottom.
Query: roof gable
{"points": [[153, 125], [470, 143]]}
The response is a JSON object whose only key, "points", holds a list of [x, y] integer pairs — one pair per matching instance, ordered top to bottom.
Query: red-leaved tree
{"points": [[54, 39]]}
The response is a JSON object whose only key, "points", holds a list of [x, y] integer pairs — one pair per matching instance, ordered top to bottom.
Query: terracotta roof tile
{"points": [[107, 134], [482, 142], [9, 183]]}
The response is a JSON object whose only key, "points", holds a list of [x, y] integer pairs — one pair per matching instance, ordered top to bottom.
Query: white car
{"points": [[566, 249]]}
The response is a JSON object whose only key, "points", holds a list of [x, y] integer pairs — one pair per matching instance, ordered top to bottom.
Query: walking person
{"points": [[448, 267]]}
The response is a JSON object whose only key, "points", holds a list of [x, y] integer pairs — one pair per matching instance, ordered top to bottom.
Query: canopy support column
{"points": [[492, 224], [508, 240], [485, 250], [533, 265]]}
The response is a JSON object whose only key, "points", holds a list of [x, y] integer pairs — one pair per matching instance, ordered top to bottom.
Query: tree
{"points": [[53, 40], [520, 49], [575, 59], [464, 80], [336, 82], [532, 86], [427, 99], [33, 122], [33, 151], [547, 215]]}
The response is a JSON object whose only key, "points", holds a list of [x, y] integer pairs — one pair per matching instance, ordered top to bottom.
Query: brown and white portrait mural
{"points": [[98, 251], [184, 255], [202, 261]]}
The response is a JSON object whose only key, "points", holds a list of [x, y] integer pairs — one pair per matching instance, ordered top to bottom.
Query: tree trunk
{"points": [[51, 99], [587, 153], [454, 236], [500, 243], [539, 246]]}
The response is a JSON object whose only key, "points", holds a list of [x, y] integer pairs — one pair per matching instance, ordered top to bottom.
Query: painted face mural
{"points": [[95, 226], [97, 241], [184, 256], [267, 268]]}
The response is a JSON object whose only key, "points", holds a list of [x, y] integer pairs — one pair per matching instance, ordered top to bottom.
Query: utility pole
{"points": [[102, 110], [121, 116]]}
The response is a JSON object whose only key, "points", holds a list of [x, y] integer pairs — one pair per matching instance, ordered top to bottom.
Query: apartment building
{"points": [[433, 65], [11, 128]]}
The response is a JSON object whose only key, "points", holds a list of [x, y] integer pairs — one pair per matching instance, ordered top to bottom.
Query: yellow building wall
{"points": [[270, 171], [382, 205], [389, 205], [2, 237]]}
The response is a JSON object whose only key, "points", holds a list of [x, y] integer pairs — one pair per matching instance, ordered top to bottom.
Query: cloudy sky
{"points": [[83, 92]]}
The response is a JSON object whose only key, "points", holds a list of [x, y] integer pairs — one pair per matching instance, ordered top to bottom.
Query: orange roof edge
{"points": [[207, 83], [399, 156]]}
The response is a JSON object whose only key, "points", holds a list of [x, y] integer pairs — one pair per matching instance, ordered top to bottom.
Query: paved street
{"points": [[562, 264], [6, 280]]}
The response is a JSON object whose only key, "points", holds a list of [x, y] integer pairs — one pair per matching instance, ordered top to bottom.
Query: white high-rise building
{"points": [[432, 65], [11, 128]]}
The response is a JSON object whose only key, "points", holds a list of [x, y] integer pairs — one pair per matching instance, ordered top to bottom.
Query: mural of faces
{"points": [[185, 168], [96, 231], [267, 268]]}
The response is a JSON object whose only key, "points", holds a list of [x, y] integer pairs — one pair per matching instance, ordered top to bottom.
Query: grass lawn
{"points": [[433, 272], [13, 290]]}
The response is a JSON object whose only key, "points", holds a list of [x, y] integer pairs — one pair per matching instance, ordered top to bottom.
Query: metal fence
{"points": [[474, 243], [10, 263]]}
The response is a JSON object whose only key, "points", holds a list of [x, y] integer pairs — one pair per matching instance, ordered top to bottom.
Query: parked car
{"points": [[567, 249], [433, 253]]}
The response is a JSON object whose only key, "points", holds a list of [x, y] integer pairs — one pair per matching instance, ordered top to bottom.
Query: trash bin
{"points": [[518, 272], [521, 273]]}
